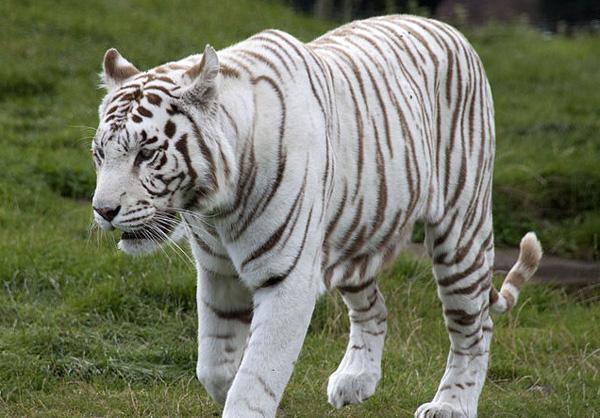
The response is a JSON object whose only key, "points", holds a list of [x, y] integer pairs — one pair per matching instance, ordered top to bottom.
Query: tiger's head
{"points": [[157, 150]]}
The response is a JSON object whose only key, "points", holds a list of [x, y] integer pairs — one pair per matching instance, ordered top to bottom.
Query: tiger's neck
{"points": [[233, 138]]}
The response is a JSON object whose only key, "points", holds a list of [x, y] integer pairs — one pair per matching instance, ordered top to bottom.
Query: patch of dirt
{"points": [[553, 270]]}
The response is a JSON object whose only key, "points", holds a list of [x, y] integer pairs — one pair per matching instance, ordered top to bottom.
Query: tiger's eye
{"points": [[145, 154]]}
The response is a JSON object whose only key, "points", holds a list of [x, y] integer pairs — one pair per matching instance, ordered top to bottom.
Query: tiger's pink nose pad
{"points": [[108, 213]]}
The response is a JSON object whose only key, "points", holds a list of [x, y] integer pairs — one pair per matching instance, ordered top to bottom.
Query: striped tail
{"points": [[530, 255]]}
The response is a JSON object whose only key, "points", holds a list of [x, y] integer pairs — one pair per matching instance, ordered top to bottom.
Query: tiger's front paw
{"points": [[216, 382], [347, 388], [438, 410]]}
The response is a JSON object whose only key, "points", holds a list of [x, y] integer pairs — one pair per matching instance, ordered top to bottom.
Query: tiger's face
{"points": [[148, 149]]}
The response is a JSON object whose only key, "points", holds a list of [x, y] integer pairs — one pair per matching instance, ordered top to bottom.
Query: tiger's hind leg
{"points": [[462, 257], [359, 372]]}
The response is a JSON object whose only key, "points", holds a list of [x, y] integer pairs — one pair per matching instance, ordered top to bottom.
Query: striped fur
{"points": [[300, 167]]}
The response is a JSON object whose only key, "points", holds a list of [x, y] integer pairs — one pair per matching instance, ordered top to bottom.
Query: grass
{"points": [[548, 138], [86, 331]]}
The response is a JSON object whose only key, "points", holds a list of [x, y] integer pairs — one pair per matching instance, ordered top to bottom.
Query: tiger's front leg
{"points": [[282, 312], [224, 314]]}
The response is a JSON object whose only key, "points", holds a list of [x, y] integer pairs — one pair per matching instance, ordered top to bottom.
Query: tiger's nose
{"points": [[108, 213]]}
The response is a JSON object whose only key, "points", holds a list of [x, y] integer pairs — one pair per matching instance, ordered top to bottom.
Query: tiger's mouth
{"points": [[158, 230], [146, 233], [150, 237]]}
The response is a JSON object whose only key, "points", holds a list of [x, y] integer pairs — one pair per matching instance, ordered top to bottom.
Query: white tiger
{"points": [[297, 167]]}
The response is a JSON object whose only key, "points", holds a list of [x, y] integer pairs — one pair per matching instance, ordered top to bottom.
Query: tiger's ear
{"points": [[116, 70], [201, 79]]}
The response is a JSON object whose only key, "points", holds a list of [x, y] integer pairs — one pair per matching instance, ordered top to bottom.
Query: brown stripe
{"points": [[262, 37], [280, 57], [262, 59], [242, 64], [307, 67], [228, 71], [161, 89], [378, 94], [154, 99], [144, 112], [231, 120], [170, 129], [360, 134], [182, 147], [206, 153], [338, 214], [355, 221], [276, 236], [444, 236], [206, 248], [456, 277], [278, 279], [516, 279], [357, 288], [472, 288], [493, 296], [510, 300], [372, 301], [244, 315], [462, 317], [220, 336]]}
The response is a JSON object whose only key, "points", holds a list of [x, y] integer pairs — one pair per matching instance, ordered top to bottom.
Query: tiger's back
{"points": [[411, 135]]}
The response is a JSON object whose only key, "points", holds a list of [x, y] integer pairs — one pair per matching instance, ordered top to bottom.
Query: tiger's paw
{"points": [[216, 382], [346, 388], [438, 410]]}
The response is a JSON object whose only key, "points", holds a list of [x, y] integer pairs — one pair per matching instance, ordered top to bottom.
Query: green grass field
{"points": [[86, 331]]}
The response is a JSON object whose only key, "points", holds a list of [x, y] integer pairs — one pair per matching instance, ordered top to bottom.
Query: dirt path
{"points": [[553, 270]]}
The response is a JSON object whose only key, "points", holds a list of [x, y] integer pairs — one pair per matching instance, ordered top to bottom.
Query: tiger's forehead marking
{"points": [[142, 98], [136, 99], [124, 140]]}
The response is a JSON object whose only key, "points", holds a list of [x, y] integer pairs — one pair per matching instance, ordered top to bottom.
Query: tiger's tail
{"points": [[530, 255]]}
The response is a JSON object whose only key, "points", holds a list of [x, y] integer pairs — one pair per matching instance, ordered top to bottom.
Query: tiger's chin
{"points": [[152, 236], [146, 242], [138, 247]]}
